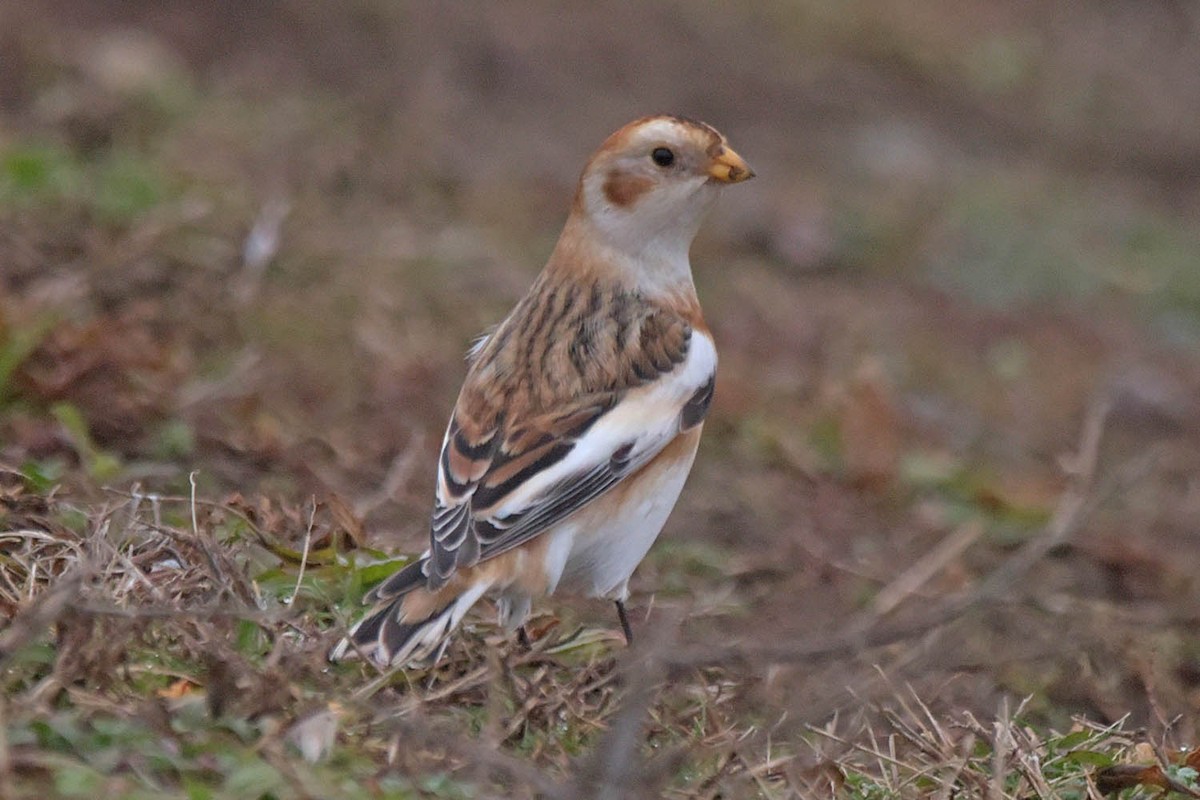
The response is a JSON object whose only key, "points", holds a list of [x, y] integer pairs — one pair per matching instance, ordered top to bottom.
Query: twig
{"points": [[231, 384], [397, 474], [157, 499], [192, 504], [312, 517], [912, 579], [225, 584], [173, 612], [1001, 738], [614, 771]]}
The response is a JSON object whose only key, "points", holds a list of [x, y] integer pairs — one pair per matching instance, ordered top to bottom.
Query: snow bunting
{"points": [[580, 414]]}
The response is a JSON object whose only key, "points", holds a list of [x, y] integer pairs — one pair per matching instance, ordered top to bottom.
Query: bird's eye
{"points": [[663, 156]]}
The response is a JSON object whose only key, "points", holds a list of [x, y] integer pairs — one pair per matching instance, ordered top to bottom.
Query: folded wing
{"points": [[501, 485]]}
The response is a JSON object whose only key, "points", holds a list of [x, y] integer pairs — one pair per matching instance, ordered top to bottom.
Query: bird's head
{"points": [[645, 191]]}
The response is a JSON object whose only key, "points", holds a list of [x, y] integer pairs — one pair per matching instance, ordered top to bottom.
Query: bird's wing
{"points": [[501, 484]]}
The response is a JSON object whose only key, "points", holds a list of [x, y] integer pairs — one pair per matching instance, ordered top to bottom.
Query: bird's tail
{"points": [[410, 622]]}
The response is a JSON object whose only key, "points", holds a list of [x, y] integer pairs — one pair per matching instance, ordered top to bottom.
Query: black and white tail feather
{"points": [[386, 637]]}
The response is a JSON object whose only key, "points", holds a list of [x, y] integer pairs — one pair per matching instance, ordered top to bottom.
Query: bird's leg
{"points": [[624, 617], [523, 638]]}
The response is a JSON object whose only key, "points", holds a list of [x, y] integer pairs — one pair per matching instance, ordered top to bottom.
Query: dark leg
{"points": [[624, 617], [523, 638], [433, 673]]}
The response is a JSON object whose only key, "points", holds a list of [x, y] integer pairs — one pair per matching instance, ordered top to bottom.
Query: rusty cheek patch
{"points": [[623, 190]]}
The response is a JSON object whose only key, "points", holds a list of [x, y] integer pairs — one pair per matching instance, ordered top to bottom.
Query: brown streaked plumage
{"points": [[580, 413]]}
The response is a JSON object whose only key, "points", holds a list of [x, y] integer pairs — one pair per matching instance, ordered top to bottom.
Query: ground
{"points": [[949, 486]]}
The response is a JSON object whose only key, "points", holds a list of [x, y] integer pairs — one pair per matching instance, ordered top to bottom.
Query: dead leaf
{"points": [[119, 372], [348, 522], [178, 689], [315, 735], [1143, 753], [823, 775], [1110, 780]]}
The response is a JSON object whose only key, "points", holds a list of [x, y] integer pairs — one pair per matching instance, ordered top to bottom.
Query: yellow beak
{"points": [[729, 167]]}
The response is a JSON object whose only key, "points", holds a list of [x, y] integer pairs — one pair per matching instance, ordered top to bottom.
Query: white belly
{"points": [[608, 542]]}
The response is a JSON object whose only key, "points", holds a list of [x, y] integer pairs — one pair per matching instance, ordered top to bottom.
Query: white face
{"points": [[647, 190]]}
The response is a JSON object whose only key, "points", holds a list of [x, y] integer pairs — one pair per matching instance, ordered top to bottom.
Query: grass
{"points": [[115, 187], [174, 648]]}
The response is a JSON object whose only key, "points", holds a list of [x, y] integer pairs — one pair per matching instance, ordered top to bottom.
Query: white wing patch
{"points": [[646, 418]]}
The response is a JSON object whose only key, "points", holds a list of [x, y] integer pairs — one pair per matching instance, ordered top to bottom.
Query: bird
{"points": [[580, 413]]}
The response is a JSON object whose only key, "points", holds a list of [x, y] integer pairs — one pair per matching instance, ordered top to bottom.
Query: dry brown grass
{"points": [[158, 604]]}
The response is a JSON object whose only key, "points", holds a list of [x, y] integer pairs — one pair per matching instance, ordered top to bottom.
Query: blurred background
{"points": [[256, 239]]}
